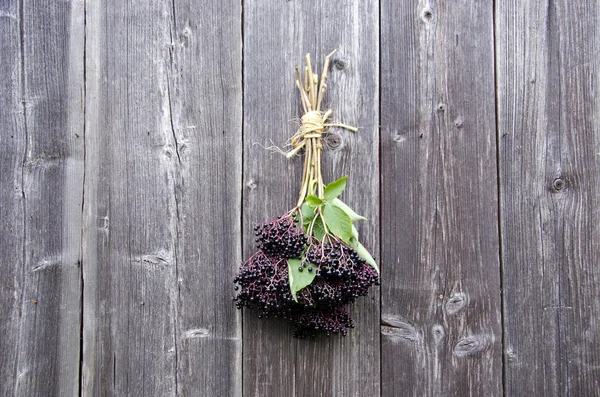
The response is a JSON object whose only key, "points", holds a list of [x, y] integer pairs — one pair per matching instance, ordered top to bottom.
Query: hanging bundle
{"points": [[310, 264]]}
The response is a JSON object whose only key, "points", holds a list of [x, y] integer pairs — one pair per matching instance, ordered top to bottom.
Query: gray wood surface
{"points": [[277, 35], [547, 63], [206, 93], [133, 168], [41, 179], [163, 193], [441, 318]]}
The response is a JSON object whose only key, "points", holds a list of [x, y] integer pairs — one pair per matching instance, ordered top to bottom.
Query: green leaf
{"points": [[335, 188], [313, 201], [344, 207], [307, 213], [338, 222], [318, 229], [354, 233], [363, 253], [298, 279]]}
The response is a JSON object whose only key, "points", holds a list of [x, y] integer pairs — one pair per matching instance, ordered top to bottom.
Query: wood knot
{"points": [[184, 37], [339, 64], [399, 138], [333, 141], [559, 184], [103, 222], [456, 303], [398, 330], [196, 333], [438, 333], [469, 346], [511, 355]]}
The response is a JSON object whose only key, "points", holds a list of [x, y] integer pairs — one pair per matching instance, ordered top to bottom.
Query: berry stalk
{"points": [[309, 137]]}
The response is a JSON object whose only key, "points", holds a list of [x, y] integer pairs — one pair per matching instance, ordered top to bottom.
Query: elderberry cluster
{"points": [[281, 238], [341, 276], [265, 286], [331, 321]]}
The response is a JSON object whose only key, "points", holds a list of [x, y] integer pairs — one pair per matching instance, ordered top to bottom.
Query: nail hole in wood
{"points": [[427, 15]]}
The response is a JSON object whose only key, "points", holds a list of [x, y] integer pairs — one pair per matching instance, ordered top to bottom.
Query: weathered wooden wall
{"points": [[132, 170]]}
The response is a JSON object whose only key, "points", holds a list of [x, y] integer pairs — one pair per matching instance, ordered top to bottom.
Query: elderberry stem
{"points": [[312, 91]]}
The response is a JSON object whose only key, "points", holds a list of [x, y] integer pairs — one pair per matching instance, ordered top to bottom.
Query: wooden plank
{"points": [[276, 38], [206, 94], [41, 174], [163, 177], [550, 187], [41, 199], [12, 200], [130, 241], [441, 322]]}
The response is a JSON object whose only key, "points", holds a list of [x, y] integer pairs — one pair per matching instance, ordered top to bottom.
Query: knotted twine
{"points": [[313, 125]]}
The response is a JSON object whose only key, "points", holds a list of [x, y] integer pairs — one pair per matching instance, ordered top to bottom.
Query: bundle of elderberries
{"points": [[310, 264]]}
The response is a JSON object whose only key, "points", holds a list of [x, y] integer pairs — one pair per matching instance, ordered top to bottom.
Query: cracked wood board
{"points": [[41, 175], [163, 194], [441, 305]]}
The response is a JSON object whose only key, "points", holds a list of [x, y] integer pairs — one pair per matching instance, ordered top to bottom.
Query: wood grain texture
{"points": [[277, 35], [548, 70], [206, 94], [134, 113], [41, 174], [163, 177], [12, 200], [130, 239], [441, 318]]}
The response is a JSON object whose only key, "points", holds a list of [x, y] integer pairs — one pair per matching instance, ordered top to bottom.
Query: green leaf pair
{"points": [[331, 192], [323, 215], [338, 217], [308, 218]]}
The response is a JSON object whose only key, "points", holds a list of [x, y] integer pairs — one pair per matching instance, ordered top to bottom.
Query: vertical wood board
{"points": [[276, 39], [206, 95], [549, 171], [41, 174], [162, 199], [130, 247], [441, 321]]}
